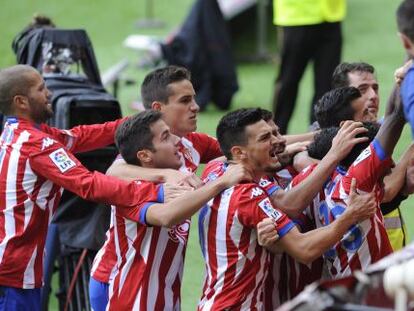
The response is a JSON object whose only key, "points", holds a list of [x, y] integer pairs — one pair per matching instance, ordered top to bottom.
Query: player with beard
{"points": [[36, 162], [235, 262]]}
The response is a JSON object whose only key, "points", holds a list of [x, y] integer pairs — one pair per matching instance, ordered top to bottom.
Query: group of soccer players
{"points": [[275, 212], [266, 233]]}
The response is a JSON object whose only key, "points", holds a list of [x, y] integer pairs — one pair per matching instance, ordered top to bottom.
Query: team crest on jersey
{"points": [[47, 142], [364, 154], [61, 159], [264, 183], [256, 192], [269, 210], [179, 233]]}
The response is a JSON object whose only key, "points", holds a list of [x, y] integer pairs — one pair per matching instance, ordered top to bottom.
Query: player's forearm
{"points": [[392, 100], [390, 131], [290, 139], [128, 172], [394, 182], [294, 201], [183, 207], [316, 242]]}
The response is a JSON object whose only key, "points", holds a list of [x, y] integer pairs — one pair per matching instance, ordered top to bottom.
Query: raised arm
{"points": [[391, 128], [394, 182], [294, 201]]}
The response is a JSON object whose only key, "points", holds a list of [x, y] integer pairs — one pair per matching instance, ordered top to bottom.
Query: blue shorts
{"points": [[98, 294], [18, 299]]}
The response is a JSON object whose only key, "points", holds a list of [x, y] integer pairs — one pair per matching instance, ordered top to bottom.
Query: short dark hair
{"points": [[405, 18], [340, 76], [14, 81], [155, 84], [335, 106], [267, 115], [231, 130], [135, 134], [323, 142]]}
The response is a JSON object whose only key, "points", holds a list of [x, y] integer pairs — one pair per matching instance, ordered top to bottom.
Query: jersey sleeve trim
{"points": [[379, 150], [272, 190], [160, 194], [143, 213], [285, 229]]}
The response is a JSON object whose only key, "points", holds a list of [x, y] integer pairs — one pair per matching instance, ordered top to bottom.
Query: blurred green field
{"points": [[370, 35]]}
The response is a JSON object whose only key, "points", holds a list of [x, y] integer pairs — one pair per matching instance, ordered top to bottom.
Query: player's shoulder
{"points": [[39, 140], [213, 170], [304, 174], [249, 191]]}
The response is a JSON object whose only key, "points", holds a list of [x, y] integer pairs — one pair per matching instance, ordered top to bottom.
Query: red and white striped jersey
{"points": [[35, 163], [285, 176], [367, 241], [164, 248], [150, 263], [104, 264], [236, 265], [288, 277]]}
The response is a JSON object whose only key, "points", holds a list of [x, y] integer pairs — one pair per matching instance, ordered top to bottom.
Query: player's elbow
{"points": [[167, 220], [306, 255], [307, 258]]}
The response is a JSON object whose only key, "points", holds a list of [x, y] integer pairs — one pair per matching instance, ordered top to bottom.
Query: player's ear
{"points": [[408, 45], [20, 103], [156, 106], [238, 153], [144, 156]]}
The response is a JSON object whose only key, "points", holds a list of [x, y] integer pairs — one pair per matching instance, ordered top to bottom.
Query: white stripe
{"points": [[7, 134], [190, 147], [28, 182], [43, 195], [9, 222], [236, 230], [131, 235], [221, 247], [277, 258], [176, 268], [207, 272], [29, 274], [260, 276], [153, 284], [137, 301]]}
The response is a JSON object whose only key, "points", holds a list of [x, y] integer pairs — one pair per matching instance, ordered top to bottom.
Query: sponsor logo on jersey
{"points": [[47, 142], [61, 159], [264, 183], [256, 192], [269, 210], [179, 233]]}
